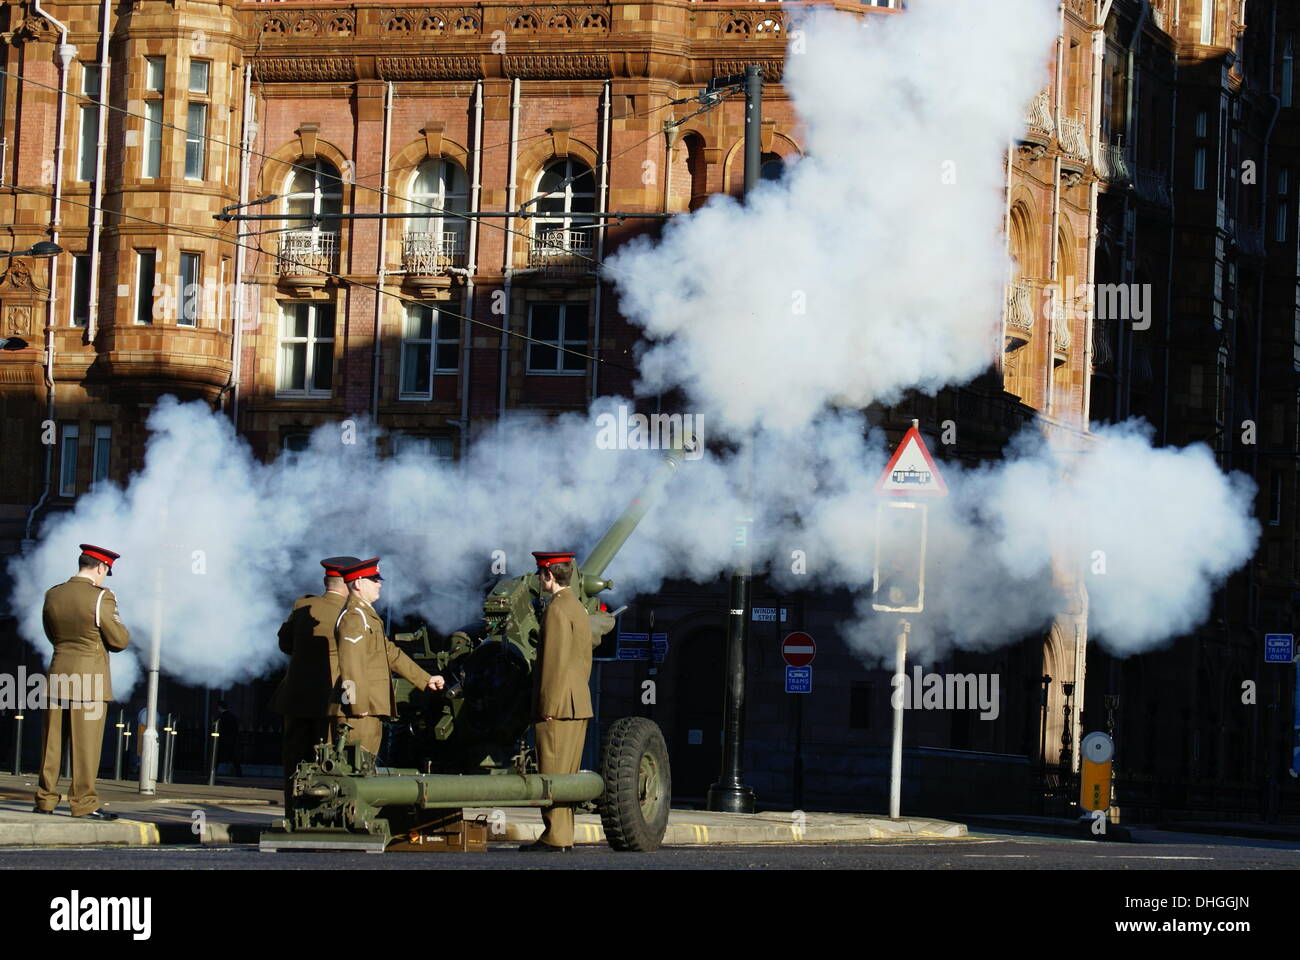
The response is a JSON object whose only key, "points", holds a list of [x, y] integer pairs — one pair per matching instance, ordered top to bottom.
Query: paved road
{"points": [[983, 851]]}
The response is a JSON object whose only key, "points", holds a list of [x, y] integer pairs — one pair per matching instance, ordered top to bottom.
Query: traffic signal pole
{"points": [[730, 794]]}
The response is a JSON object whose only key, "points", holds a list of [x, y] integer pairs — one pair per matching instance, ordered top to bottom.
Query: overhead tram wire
{"points": [[716, 98], [191, 231]]}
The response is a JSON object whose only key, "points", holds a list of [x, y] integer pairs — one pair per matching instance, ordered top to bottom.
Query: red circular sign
{"points": [[798, 649]]}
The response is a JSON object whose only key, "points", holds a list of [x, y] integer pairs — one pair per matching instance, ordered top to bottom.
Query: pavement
{"points": [[238, 810]]}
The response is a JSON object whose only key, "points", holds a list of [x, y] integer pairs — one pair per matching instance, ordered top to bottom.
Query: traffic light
{"points": [[898, 581]]}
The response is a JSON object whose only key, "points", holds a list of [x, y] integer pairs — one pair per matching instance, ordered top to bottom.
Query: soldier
{"points": [[82, 623], [367, 661], [306, 695], [562, 699]]}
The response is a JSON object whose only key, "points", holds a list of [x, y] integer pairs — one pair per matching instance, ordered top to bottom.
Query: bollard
{"points": [[18, 744], [167, 749], [171, 756], [117, 762], [212, 765]]}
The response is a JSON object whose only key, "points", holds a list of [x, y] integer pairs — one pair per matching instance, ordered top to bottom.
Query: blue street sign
{"points": [[634, 646], [659, 647], [1279, 648], [798, 679]]}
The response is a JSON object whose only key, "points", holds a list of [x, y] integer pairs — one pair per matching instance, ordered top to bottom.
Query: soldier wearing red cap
{"points": [[82, 623], [368, 660], [307, 695], [562, 698]]}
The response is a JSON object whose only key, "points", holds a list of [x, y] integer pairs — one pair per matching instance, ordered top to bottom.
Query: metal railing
{"points": [[1160, 18], [1038, 115], [1073, 135], [1112, 163], [1153, 186], [560, 250], [308, 253], [432, 254], [1020, 309], [1060, 325], [1102, 354]]}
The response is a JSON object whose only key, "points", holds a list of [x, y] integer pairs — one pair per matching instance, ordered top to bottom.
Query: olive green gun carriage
{"points": [[465, 746]]}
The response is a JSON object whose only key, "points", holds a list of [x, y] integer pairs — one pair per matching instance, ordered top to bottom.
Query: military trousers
{"points": [[85, 725], [367, 731], [301, 734], [559, 750]]}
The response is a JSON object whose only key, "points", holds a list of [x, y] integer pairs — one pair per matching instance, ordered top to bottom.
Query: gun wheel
{"points": [[638, 785]]}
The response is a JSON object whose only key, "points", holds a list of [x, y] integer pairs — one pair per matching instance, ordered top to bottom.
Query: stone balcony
{"points": [[1039, 126], [561, 252], [431, 259], [1020, 314]]}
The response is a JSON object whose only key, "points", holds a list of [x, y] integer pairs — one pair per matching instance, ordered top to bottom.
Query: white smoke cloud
{"points": [[875, 266], [902, 275]]}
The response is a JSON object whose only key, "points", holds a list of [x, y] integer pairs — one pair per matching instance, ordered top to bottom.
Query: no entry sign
{"points": [[798, 649]]}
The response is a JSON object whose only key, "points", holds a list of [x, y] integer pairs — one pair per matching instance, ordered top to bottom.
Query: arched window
{"points": [[771, 167], [438, 186], [566, 192], [309, 249]]}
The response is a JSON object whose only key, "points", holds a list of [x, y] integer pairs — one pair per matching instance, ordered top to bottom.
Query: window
{"points": [[1207, 21], [199, 70], [154, 73], [1202, 123], [153, 131], [195, 132], [88, 134], [772, 167], [1198, 168], [440, 185], [314, 188], [567, 195], [1283, 206], [145, 270], [80, 290], [187, 290], [561, 327], [430, 344], [307, 349], [294, 442], [421, 445], [103, 447], [68, 461], [1275, 500]]}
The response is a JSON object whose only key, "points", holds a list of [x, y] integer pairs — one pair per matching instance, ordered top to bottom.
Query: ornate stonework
{"points": [[430, 22], [755, 24], [561, 66], [430, 68], [305, 69], [773, 70], [18, 321]]}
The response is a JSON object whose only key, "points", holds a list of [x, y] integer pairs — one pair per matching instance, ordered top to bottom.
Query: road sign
{"points": [[911, 471], [898, 574], [768, 614], [643, 646], [658, 647], [1279, 647], [799, 649], [798, 679]]}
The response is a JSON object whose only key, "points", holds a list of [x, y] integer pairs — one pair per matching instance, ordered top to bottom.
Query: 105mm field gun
{"points": [[465, 746]]}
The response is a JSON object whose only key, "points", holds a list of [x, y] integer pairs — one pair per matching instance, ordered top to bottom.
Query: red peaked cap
{"points": [[100, 554], [546, 559], [334, 566], [366, 568]]}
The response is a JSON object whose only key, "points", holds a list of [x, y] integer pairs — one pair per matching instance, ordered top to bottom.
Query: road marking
{"points": [[998, 856], [1126, 856]]}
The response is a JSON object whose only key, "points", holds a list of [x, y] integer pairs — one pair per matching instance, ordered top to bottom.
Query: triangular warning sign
{"points": [[911, 471]]}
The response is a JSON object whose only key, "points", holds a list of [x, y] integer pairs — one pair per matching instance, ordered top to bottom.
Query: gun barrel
{"points": [[604, 551]]}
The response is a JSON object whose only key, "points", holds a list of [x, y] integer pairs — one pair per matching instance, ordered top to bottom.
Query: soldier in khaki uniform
{"points": [[82, 623], [367, 661], [561, 692], [306, 696]]}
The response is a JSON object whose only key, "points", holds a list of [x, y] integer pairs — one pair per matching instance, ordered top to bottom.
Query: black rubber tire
{"points": [[634, 747]]}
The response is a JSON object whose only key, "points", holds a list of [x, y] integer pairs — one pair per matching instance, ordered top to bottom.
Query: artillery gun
{"points": [[465, 746]]}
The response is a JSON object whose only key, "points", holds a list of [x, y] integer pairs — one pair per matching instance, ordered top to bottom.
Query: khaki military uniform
{"points": [[82, 622], [367, 662], [561, 691], [307, 696]]}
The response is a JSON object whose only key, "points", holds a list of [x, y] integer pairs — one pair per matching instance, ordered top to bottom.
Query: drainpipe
{"points": [[65, 52], [101, 152], [1056, 204], [600, 234], [509, 241], [383, 254], [471, 265], [1169, 278], [1090, 302], [236, 339], [1124, 340]]}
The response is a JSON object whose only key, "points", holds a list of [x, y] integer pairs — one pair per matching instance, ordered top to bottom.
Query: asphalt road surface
{"points": [[980, 851]]}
